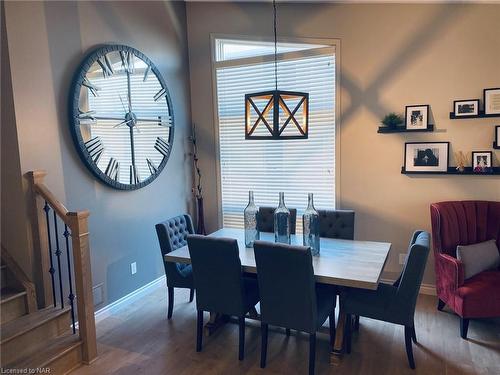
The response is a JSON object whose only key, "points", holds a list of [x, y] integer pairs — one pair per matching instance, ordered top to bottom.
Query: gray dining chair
{"points": [[265, 219], [336, 224], [172, 234], [220, 284], [289, 295], [393, 303]]}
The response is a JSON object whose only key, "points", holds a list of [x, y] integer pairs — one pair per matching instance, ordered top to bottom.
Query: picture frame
{"points": [[491, 100], [466, 107], [417, 117], [496, 143], [426, 157], [482, 161]]}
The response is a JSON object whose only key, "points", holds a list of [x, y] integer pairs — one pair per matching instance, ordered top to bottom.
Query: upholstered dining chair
{"points": [[265, 220], [336, 224], [172, 235], [220, 284], [289, 295], [393, 303]]}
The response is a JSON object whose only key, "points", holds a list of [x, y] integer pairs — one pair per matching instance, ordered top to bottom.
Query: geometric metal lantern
{"points": [[276, 114]]}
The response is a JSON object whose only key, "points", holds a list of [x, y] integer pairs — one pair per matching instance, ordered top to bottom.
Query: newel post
{"points": [[78, 223], [40, 256]]}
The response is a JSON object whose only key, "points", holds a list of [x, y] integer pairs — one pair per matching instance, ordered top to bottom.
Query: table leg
{"points": [[216, 320], [338, 346]]}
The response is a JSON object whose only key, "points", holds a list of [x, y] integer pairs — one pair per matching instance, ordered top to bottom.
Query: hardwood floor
{"points": [[140, 340]]}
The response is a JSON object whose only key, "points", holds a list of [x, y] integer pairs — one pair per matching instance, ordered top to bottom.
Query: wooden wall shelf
{"points": [[480, 115], [402, 129], [451, 170]]}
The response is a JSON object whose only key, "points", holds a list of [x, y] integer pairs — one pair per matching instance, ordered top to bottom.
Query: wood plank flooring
{"points": [[139, 339]]}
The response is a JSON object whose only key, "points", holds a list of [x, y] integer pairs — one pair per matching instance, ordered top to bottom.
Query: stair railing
{"points": [[48, 259]]}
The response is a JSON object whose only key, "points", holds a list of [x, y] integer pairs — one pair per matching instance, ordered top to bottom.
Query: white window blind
{"points": [[296, 167]]}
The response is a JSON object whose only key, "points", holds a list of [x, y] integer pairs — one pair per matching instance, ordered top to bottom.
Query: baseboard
{"points": [[427, 289]]}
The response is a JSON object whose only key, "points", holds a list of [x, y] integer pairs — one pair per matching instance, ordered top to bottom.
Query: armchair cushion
{"points": [[479, 257], [479, 296]]}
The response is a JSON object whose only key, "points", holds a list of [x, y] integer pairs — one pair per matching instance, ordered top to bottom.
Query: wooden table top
{"points": [[356, 264]]}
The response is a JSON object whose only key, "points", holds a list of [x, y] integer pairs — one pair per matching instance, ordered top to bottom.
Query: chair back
{"points": [[265, 220], [464, 223], [336, 224], [172, 234], [217, 274], [412, 274], [286, 285]]}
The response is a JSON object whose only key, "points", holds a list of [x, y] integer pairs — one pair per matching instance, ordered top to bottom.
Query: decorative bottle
{"points": [[250, 218], [282, 222], [310, 223]]}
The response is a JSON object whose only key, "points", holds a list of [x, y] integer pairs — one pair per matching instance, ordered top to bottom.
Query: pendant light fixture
{"points": [[276, 114]]}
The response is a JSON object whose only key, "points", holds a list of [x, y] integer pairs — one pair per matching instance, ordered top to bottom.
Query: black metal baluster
{"points": [[46, 208], [58, 255], [71, 295]]}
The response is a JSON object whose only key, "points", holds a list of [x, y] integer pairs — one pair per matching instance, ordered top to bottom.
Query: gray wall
{"points": [[47, 41], [392, 55]]}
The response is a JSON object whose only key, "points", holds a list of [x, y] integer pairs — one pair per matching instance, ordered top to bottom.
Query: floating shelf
{"points": [[480, 115], [402, 129], [451, 170]]}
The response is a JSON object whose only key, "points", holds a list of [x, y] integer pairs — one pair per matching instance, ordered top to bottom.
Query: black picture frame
{"points": [[487, 109], [456, 110], [425, 119], [496, 143], [439, 168], [486, 169]]}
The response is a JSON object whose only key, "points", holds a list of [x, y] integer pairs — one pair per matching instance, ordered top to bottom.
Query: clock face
{"points": [[121, 117]]}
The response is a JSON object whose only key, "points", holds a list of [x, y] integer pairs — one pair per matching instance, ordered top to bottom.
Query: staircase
{"points": [[37, 318]]}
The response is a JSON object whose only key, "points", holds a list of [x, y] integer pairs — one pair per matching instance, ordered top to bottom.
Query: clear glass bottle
{"points": [[250, 219], [282, 222], [310, 226]]}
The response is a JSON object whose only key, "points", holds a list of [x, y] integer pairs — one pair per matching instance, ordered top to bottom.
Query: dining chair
{"points": [[265, 220], [172, 235], [220, 284], [290, 297], [393, 303]]}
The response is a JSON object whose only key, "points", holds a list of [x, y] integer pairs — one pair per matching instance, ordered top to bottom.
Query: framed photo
{"points": [[492, 101], [463, 108], [417, 116], [496, 144], [426, 157], [482, 161]]}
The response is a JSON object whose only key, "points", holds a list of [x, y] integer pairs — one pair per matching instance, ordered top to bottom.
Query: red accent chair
{"points": [[465, 223]]}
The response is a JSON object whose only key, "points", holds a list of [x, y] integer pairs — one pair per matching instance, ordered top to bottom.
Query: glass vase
{"points": [[250, 219], [282, 222], [310, 227]]}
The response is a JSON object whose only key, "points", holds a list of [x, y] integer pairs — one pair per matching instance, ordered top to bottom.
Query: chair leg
{"points": [[191, 295], [170, 302], [441, 305], [331, 323], [356, 323], [464, 327], [199, 330], [287, 330], [348, 333], [413, 335], [263, 347], [409, 349], [241, 351], [312, 353]]}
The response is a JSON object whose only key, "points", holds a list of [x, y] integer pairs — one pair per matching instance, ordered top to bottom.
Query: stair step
{"points": [[12, 304], [24, 333], [60, 354]]}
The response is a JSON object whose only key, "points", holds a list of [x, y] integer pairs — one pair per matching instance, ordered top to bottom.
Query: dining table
{"points": [[343, 263]]}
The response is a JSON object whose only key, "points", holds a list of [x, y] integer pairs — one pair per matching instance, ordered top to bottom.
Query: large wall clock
{"points": [[121, 117]]}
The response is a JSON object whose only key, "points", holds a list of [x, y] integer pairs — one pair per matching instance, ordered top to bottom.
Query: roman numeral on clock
{"points": [[127, 61], [105, 64], [146, 73], [92, 88], [160, 94], [87, 117], [165, 121], [162, 146], [95, 148], [152, 167], [113, 169], [134, 175]]}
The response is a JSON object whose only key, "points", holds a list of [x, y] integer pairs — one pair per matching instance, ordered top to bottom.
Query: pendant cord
{"points": [[275, 49]]}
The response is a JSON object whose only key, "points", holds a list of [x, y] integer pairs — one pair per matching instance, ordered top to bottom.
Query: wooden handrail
{"points": [[77, 223]]}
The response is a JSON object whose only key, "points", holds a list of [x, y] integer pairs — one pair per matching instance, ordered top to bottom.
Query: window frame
{"points": [[331, 43]]}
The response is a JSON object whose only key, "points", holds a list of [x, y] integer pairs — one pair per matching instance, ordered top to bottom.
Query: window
{"points": [[296, 167]]}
